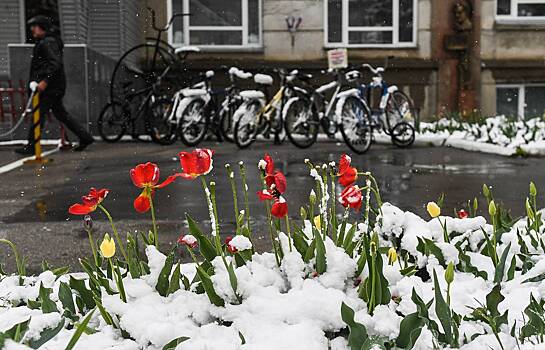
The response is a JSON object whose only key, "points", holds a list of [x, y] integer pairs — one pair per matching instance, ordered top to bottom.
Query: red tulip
{"points": [[196, 163], [267, 164], [347, 174], [146, 176], [278, 180], [351, 197], [90, 202], [279, 208], [463, 214], [188, 240], [230, 248]]}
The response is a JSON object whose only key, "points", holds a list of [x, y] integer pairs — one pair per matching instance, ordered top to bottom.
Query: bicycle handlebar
{"points": [[164, 29]]}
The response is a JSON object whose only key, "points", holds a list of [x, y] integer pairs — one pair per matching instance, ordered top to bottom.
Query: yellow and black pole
{"points": [[36, 123]]}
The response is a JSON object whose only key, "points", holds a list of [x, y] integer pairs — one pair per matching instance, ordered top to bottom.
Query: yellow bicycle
{"points": [[256, 117]]}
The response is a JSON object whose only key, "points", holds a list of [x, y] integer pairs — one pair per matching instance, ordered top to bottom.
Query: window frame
{"points": [[514, 17], [243, 28], [394, 28], [521, 103]]}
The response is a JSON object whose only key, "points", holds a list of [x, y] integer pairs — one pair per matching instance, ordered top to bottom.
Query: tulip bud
{"points": [[533, 189], [486, 191], [312, 198], [475, 205], [492, 208], [433, 209], [529, 211], [303, 213], [318, 222], [87, 223], [107, 247], [392, 256], [449, 273]]}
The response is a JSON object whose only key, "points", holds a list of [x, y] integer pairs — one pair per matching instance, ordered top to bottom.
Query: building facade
{"points": [[452, 56]]}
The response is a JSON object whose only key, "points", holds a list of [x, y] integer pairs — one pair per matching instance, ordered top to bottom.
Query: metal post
{"points": [[37, 130]]}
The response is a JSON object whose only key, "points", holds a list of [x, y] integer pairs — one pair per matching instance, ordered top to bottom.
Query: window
{"points": [[527, 9], [216, 23], [371, 23], [522, 101]]}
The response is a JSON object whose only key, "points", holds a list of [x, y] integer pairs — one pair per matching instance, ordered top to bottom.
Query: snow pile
{"points": [[500, 135], [291, 306]]}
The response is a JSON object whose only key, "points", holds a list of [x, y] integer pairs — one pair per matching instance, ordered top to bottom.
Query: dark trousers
{"points": [[53, 102]]}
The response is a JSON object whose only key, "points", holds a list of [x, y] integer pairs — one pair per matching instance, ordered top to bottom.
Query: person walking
{"points": [[47, 69]]}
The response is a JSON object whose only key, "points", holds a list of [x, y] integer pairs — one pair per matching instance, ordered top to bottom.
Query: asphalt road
{"points": [[34, 199]]}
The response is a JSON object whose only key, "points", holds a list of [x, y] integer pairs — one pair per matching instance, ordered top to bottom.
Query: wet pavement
{"points": [[34, 200]]}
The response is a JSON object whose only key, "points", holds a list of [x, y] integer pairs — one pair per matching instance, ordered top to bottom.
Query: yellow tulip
{"points": [[433, 209], [318, 222], [107, 247], [392, 256]]}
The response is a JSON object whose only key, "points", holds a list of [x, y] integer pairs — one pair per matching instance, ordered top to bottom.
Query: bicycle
{"points": [[140, 66], [195, 110], [304, 114], [395, 115], [116, 117], [254, 117]]}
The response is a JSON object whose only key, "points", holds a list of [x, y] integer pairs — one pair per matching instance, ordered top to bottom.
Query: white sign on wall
{"points": [[337, 58]]}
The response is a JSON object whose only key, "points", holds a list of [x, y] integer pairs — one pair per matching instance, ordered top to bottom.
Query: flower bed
{"points": [[499, 135], [369, 277]]}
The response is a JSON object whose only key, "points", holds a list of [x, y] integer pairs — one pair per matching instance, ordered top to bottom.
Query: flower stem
{"points": [[234, 190], [246, 203], [152, 209], [333, 215], [269, 220], [289, 231], [116, 235], [93, 247]]}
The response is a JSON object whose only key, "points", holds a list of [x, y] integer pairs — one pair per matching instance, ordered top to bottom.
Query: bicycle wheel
{"points": [[137, 70], [227, 121], [112, 122], [193, 122], [301, 123], [246, 125], [160, 126], [355, 126], [403, 135]]}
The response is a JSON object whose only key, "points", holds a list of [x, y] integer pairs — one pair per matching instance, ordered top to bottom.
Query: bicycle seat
{"points": [[186, 49], [239, 73], [263, 79], [249, 94]]}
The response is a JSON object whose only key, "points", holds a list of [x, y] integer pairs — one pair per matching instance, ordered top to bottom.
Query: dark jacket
{"points": [[47, 64]]}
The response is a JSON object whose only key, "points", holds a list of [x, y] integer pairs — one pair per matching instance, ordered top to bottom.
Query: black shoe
{"points": [[82, 145], [25, 151]]}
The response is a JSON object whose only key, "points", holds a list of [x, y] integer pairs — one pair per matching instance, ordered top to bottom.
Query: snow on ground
{"points": [[292, 307]]}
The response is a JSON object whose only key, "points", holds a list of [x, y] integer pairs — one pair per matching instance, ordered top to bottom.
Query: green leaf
{"points": [[300, 242], [207, 249], [310, 251], [132, 257], [321, 263], [500, 269], [511, 271], [233, 279], [163, 280], [175, 280], [209, 287], [85, 294], [66, 298], [493, 299], [48, 305], [442, 310], [105, 314], [536, 322], [409, 330], [79, 331], [17, 332], [358, 333], [46, 335], [171, 345]]}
